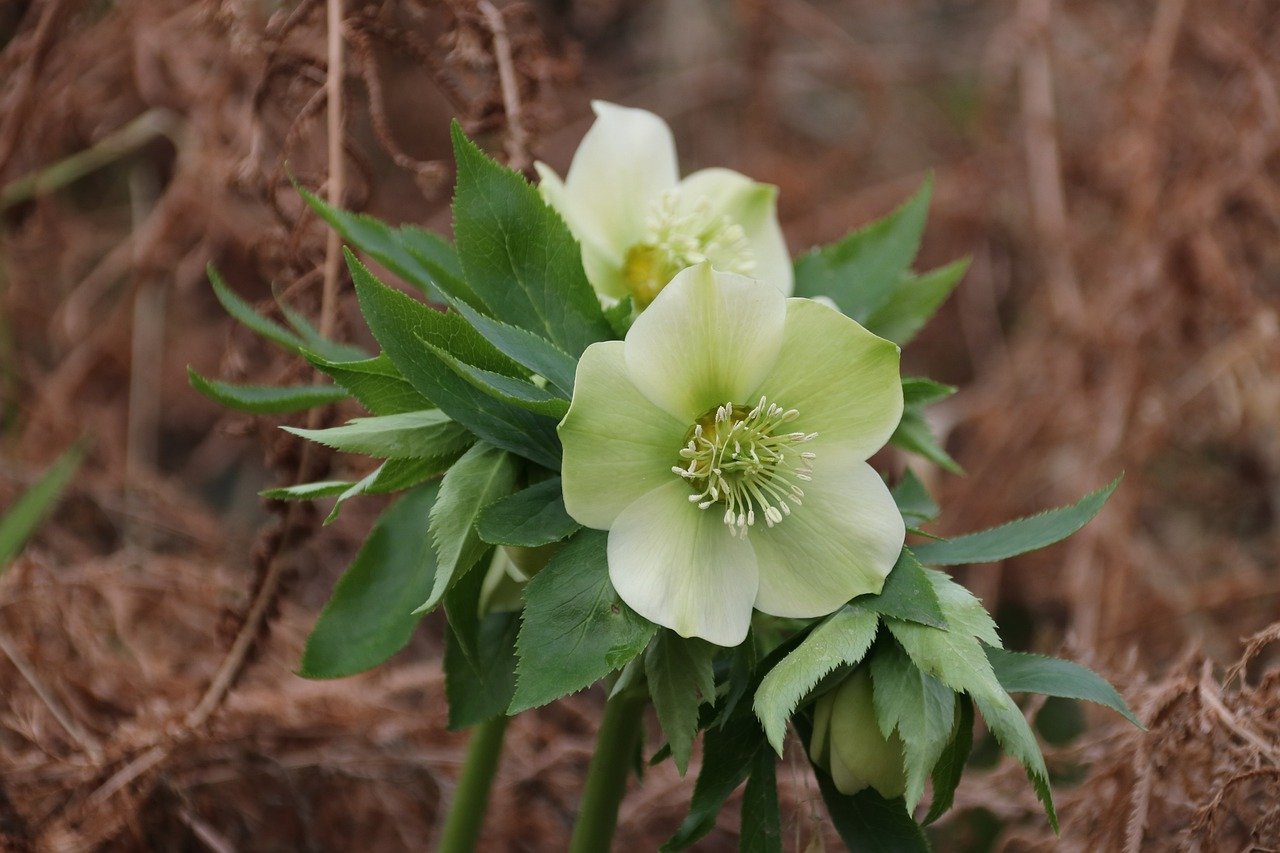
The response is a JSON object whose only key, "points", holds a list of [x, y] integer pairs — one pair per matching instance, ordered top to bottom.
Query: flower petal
{"points": [[625, 160], [753, 206], [602, 260], [707, 339], [843, 380], [617, 445], [841, 542], [680, 566]]}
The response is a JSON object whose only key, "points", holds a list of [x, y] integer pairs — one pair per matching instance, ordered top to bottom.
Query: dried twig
{"points": [[517, 137], [87, 742]]}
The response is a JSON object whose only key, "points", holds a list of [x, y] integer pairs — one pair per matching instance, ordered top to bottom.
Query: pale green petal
{"points": [[626, 160], [754, 207], [601, 259], [708, 339], [842, 379], [617, 445], [841, 542], [680, 567], [862, 754]]}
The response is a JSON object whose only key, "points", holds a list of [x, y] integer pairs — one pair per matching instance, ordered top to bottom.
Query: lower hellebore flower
{"points": [[639, 224], [723, 445], [847, 741]]}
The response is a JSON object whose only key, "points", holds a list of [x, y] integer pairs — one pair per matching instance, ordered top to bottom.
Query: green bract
{"points": [[639, 224], [723, 445]]}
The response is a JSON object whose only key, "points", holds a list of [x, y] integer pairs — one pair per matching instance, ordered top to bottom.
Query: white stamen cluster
{"points": [[690, 234], [742, 458]]}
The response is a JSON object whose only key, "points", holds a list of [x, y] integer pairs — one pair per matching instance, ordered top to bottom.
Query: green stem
{"points": [[607, 777], [471, 796]]}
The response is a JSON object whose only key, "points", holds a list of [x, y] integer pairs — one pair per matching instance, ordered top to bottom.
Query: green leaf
{"points": [[519, 255], [419, 258], [861, 270], [914, 300], [243, 312], [621, 315], [398, 321], [315, 342], [537, 354], [375, 382], [508, 389], [917, 391], [264, 399], [913, 434], [411, 435], [483, 475], [393, 476], [307, 491], [913, 501], [529, 518], [20, 520], [1016, 537], [907, 594], [963, 611], [370, 615], [576, 629], [842, 639], [479, 656], [1020, 672], [681, 679], [920, 707], [1005, 720], [950, 767], [761, 820], [868, 823]]}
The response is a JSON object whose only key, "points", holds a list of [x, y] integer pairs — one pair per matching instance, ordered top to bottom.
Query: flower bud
{"points": [[510, 569], [847, 741]]}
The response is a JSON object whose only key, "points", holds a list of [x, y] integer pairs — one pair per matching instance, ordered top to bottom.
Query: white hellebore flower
{"points": [[639, 224], [723, 445]]}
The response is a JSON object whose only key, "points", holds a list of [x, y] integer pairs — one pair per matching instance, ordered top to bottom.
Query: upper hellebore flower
{"points": [[639, 224], [723, 445], [847, 740]]}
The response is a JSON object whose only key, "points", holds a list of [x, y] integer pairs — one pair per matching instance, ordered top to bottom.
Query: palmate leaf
{"points": [[518, 254], [860, 271], [375, 382], [265, 399], [410, 435], [530, 518], [1016, 537], [907, 594], [370, 615], [576, 629], [842, 639], [680, 676]]}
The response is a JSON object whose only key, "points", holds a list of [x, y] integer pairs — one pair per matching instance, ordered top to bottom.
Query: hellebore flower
{"points": [[639, 224], [723, 445], [848, 743]]}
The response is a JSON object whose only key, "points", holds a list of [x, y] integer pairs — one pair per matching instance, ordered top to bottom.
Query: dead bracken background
{"points": [[1113, 169]]}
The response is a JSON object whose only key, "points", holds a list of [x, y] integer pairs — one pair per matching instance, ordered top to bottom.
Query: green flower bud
{"points": [[847, 741]]}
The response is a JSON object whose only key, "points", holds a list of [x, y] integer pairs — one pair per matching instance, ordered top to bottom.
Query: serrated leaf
{"points": [[518, 254], [859, 271], [914, 300], [245, 314], [397, 321], [315, 342], [535, 353], [375, 382], [508, 389], [918, 391], [265, 399], [914, 434], [410, 435], [483, 475], [393, 476], [307, 491], [913, 500], [532, 517], [20, 520], [1016, 537], [907, 594], [963, 611], [370, 615], [576, 629], [842, 639], [479, 656], [1020, 672], [680, 680], [919, 707], [1015, 736], [950, 766], [761, 820]]}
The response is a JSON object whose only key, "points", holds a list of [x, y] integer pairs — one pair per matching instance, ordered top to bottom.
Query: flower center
{"points": [[680, 235], [744, 459]]}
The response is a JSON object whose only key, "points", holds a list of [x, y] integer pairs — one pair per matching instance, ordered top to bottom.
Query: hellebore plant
{"points": [[632, 440]]}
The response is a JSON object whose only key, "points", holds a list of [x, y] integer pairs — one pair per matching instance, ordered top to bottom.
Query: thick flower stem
{"points": [[607, 777], [471, 797]]}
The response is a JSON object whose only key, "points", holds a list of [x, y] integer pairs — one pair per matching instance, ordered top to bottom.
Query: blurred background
{"points": [[1112, 169]]}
